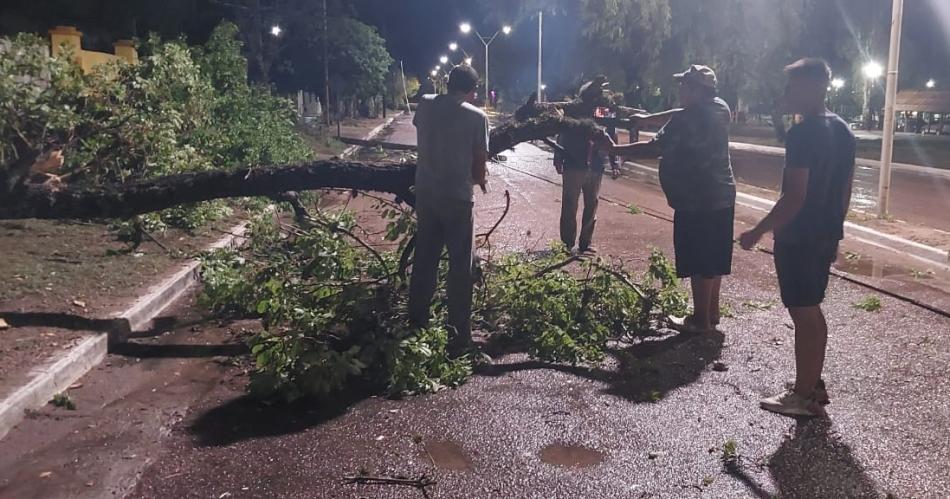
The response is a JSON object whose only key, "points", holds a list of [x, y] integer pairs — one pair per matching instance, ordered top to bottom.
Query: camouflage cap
{"points": [[700, 75]]}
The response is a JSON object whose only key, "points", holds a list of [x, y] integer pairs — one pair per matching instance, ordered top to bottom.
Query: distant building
{"points": [[69, 36], [924, 111]]}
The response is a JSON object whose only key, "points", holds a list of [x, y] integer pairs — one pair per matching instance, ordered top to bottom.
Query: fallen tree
{"points": [[26, 199]]}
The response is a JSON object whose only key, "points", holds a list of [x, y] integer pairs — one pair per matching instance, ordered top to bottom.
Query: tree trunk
{"points": [[27, 200]]}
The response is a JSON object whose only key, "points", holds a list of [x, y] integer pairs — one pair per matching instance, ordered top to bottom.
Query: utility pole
{"points": [[540, 27], [326, 63], [887, 141]]}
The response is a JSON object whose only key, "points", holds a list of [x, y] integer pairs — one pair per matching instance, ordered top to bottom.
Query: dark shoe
{"points": [[588, 250]]}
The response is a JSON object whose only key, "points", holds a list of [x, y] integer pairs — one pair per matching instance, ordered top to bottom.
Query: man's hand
{"points": [[750, 238]]}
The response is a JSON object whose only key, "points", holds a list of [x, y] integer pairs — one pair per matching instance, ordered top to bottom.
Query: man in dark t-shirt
{"points": [[696, 176], [808, 222]]}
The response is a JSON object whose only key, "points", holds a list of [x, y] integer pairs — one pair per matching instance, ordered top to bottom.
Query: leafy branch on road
{"points": [[333, 311]]}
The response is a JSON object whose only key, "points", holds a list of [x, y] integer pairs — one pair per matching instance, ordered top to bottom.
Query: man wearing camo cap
{"points": [[696, 176]]}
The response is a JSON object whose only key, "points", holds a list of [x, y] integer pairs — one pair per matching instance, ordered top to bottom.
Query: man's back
{"points": [[449, 131], [825, 145], [695, 169]]}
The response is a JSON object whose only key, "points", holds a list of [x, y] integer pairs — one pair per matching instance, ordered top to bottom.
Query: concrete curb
{"points": [[350, 151], [866, 235], [140, 314], [56, 376], [51, 379]]}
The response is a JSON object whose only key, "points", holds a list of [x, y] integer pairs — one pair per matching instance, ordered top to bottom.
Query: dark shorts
{"points": [[702, 241], [803, 270]]}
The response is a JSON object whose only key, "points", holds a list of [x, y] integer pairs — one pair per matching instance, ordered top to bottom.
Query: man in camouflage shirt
{"points": [[696, 176]]}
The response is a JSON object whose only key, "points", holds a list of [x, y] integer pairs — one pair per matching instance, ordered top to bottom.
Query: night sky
{"points": [[417, 32]]}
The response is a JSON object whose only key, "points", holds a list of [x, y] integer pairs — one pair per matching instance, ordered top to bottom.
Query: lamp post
{"points": [[540, 27], [466, 28], [931, 83], [890, 100]]}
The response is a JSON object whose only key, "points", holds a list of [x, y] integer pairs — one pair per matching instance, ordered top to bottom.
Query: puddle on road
{"points": [[868, 267], [448, 455], [571, 456]]}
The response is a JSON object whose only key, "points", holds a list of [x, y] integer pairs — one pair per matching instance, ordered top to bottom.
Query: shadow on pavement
{"points": [[178, 351], [646, 370], [244, 418], [815, 462], [811, 463]]}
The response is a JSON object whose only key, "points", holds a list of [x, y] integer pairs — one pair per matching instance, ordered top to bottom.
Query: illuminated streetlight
{"points": [[466, 28], [276, 30], [453, 46], [444, 59], [468, 61], [438, 68], [872, 70], [434, 72], [837, 83], [931, 83], [544, 87]]}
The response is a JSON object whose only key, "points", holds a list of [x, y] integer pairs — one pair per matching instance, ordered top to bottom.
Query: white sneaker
{"points": [[790, 403]]}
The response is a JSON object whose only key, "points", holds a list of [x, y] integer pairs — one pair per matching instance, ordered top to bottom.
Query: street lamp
{"points": [[466, 28], [276, 30], [453, 46], [444, 59], [468, 61], [872, 71], [837, 83], [931, 83]]}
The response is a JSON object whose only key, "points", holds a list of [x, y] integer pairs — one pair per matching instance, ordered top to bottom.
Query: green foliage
{"points": [[358, 56], [179, 109], [869, 304], [333, 312], [570, 316], [420, 364], [63, 401]]}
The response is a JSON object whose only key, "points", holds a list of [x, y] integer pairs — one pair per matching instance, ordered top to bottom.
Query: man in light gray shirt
{"points": [[452, 136]]}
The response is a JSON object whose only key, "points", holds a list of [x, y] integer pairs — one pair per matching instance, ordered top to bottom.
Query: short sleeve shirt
{"points": [[448, 131], [824, 145], [695, 168]]}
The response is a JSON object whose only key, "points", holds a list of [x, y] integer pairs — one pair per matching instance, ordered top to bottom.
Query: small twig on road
{"points": [[504, 214], [557, 266], [420, 483]]}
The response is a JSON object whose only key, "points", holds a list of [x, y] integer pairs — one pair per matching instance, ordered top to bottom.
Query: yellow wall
{"points": [[87, 59]]}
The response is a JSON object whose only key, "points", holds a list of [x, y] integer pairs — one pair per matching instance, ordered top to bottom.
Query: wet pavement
{"points": [[917, 197], [651, 421]]}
